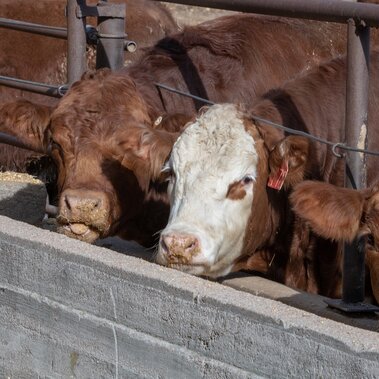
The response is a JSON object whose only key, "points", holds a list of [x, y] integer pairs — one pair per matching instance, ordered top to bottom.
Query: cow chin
{"points": [[79, 231], [204, 269]]}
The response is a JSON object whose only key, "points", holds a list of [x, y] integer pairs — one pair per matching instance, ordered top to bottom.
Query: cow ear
{"points": [[28, 122], [148, 155], [288, 162], [332, 212], [370, 219]]}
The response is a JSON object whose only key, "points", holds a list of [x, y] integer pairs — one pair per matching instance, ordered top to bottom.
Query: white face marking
{"points": [[211, 154]]}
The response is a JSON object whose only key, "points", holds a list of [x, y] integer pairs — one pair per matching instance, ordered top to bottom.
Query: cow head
{"points": [[107, 148], [220, 207], [342, 214]]}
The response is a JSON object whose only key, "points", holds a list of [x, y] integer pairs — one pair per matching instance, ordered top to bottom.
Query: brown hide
{"points": [[43, 59], [100, 125], [342, 214]]}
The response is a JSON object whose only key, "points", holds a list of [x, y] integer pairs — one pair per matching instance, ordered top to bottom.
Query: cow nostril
{"points": [[67, 203], [96, 204], [163, 245], [191, 245]]}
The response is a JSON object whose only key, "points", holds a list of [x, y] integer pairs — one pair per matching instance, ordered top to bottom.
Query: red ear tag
{"points": [[276, 179]]}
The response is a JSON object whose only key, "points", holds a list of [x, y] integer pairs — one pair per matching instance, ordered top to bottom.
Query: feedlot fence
{"points": [[110, 39]]}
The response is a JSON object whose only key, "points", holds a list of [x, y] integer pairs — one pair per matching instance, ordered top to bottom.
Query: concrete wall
{"points": [[69, 309]]}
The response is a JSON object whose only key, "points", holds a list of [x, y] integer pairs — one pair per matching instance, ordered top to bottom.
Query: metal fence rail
{"points": [[320, 10], [29, 27], [78, 35], [27, 85]]}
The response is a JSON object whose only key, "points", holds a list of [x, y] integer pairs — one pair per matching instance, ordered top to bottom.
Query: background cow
{"points": [[43, 59], [101, 132], [222, 213], [342, 214]]}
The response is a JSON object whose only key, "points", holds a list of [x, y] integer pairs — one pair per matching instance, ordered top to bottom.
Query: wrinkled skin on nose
{"points": [[83, 214], [178, 248]]}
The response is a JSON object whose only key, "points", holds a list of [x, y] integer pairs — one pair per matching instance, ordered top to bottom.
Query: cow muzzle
{"points": [[83, 215], [178, 249]]}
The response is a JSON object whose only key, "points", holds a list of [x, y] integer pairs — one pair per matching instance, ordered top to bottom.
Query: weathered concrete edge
{"points": [[315, 304], [349, 339], [192, 360]]}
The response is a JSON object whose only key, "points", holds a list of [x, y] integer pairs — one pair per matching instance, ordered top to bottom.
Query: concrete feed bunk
{"points": [[76, 310]]}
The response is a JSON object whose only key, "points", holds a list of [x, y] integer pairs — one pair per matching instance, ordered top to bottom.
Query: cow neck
{"points": [[147, 90], [270, 222]]}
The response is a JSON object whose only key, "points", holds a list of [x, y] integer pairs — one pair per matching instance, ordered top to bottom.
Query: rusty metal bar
{"points": [[321, 10], [28, 27], [57, 32], [76, 38], [111, 39], [27, 85], [13, 141]]}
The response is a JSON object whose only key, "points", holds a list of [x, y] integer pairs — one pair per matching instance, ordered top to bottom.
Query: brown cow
{"points": [[43, 59], [101, 130], [222, 212], [342, 214]]}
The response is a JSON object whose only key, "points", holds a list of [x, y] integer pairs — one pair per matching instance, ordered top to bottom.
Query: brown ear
{"points": [[28, 122], [157, 146], [146, 152], [288, 162], [332, 212], [370, 220], [371, 227]]}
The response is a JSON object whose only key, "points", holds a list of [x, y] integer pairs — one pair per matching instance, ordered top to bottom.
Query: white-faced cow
{"points": [[106, 136], [223, 214]]}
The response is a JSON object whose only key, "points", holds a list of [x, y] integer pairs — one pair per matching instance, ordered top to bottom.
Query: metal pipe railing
{"points": [[321, 10], [28, 27], [111, 39], [76, 42], [358, 61], [27, 85], [14, 141]]}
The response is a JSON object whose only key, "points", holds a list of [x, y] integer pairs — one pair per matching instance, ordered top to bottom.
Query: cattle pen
{"points": [[70, 309]]}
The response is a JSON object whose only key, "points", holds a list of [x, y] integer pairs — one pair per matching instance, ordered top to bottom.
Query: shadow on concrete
{"points": [[23, 201], [301, 300]]}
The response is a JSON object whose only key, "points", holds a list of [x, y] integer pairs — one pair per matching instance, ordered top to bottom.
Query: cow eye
{"points": [[55, 145], [166, 174], [247, 179], [370, 240]]}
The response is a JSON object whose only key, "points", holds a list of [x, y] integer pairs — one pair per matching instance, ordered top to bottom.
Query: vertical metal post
{"points": [[76, 42], [110, 46], [358, 58], [356, 130]]}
